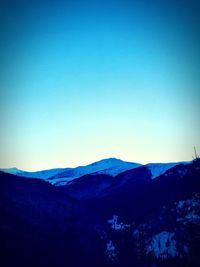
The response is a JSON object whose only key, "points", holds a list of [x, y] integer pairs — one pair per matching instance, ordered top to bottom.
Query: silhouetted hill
{"points": [[134, 194], [42, 226]]}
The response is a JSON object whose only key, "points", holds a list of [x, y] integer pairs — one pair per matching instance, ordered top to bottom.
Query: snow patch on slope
{"points": [[158, 169], [14, 171], [38, 174], [188, 211], [117, 226], [163, 246], [111, 251]]}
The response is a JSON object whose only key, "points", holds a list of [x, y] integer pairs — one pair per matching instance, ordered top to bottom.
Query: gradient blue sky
{"points": [[86, 80]]}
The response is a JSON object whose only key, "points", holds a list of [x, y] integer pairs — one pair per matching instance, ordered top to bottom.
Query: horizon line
{"points": [[77, 166]]}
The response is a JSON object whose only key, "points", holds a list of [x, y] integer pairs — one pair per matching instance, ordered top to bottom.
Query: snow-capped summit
{"points": [[110, 166]]}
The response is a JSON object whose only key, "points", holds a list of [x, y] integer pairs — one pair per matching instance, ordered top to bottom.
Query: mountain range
{"points": [[110, 166], [107, 214]]}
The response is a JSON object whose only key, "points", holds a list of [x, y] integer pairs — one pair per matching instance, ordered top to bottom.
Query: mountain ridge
{"points": [[109, 166], [133, 220]]}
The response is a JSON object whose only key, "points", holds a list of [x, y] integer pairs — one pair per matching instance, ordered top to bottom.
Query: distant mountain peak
{"points": [[109, 161], [109, 166]]}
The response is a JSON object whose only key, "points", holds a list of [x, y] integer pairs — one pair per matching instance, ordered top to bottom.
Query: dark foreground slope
{"points": [[133, 194], [129, 220], [154, 222], [41, 226]]}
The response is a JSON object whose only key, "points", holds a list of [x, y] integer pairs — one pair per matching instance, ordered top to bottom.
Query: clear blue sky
{"points": [[86, 80]]}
